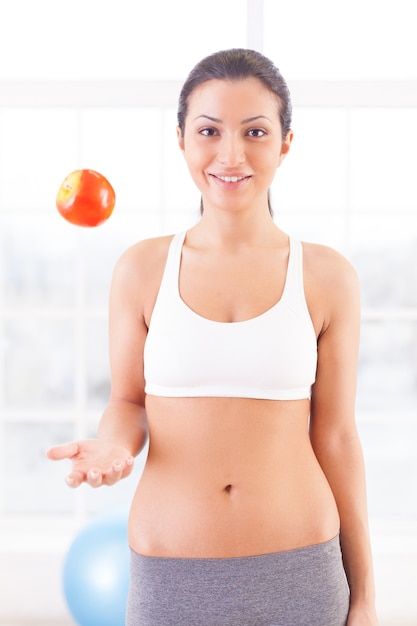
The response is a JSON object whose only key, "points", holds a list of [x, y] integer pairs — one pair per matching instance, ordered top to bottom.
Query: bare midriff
{"points": [[229, 477]]}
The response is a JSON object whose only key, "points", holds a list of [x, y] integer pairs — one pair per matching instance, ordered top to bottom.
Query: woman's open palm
{"points": [[94, 461]]}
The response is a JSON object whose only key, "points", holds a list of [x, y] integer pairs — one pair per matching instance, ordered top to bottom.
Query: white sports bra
{"points": [[272, 356]]}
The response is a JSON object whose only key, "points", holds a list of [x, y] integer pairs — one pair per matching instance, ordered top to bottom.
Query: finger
{"points": [[65, 451], [128, 467], [119, 469], [114, 474], [94, 477], [75, 479]]}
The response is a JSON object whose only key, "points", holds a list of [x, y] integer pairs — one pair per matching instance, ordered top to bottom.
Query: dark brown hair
{"points": [[238, 64]]}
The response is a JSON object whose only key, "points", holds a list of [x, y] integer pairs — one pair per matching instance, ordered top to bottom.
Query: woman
{"points": [[235, 347]]}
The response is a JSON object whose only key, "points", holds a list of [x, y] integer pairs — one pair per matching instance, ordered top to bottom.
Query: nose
{"points": [[231, 150]]}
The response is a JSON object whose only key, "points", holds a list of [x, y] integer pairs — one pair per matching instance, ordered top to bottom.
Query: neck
{"points": [[223, 228]]}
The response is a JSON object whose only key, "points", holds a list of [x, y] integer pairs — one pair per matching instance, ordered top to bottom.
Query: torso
{"points": [[230, 476]]}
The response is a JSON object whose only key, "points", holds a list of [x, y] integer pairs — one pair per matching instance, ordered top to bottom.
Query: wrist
{"points": [[363, 601], [362, 613]]}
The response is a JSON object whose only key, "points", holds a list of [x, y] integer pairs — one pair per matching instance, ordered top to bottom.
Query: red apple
{"points": [[85, 198]]}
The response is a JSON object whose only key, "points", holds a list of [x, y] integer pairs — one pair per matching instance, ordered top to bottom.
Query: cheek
{"points": [[196, 155], [269, 159], [192, 160], [195, 167]]}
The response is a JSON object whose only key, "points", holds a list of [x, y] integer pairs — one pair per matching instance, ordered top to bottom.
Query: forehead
{"points": [[243, 98]]}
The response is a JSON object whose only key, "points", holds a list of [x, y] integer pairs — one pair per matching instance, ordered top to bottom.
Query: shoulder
{"points": [[146, 250], [143, 258], [328, 268], [138, 271], [137, 276], [331, 286]]}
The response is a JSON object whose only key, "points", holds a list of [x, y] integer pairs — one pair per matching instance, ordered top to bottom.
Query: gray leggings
{"points": [[301, 587]]}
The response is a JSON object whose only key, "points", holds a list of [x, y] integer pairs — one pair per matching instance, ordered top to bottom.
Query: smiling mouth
{"points": [[230, 179]]}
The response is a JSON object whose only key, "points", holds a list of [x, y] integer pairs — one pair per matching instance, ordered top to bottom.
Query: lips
{"points": [[230, 179]]}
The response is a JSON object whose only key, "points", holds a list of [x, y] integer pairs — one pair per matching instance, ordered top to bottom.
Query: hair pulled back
{"points": [[238, 64]]}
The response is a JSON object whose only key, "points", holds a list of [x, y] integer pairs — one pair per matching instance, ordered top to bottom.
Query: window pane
{"points": [[114, 39], [348, 39], [125, 146], [38, 148], [383, 162], [313, 174], [179, 191], [327, 229], [384, 252], [38, 261], [38, 363], [97, 363], [387, 373], [389, 450], [32, 483]]}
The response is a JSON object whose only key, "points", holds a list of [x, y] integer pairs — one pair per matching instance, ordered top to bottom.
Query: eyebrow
{"points": [[245, 121]]}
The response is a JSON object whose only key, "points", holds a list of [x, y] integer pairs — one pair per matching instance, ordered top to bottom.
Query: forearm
{"points": [[124, 423], [342, 462], [357, 561]]}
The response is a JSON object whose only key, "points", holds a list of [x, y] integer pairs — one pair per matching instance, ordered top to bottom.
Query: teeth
{"points": [[231, 179]]}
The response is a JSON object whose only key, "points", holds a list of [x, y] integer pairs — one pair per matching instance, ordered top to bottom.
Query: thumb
{"points": [[64, 451]]}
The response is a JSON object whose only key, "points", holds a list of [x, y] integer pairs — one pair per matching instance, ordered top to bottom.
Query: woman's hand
{"points": [[94, 461]]}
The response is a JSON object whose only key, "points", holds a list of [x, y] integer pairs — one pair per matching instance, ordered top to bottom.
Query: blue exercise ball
{"points": [[96, 572]]}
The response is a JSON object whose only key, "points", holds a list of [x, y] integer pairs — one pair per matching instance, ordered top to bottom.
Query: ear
{"points": [[180, 139], [285, 147]]}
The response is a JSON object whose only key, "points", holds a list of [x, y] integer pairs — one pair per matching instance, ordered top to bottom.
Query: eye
{"points": [[208, 132], [256, 132]]}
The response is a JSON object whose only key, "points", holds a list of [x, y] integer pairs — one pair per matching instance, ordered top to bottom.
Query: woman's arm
{"points": [[124, 420], [333, 429], [122, 431]]}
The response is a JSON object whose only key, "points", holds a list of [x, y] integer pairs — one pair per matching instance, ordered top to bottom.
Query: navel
{"points": [[228, 488]]}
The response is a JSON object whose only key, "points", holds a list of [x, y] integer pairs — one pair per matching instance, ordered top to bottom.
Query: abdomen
{"points": [[230, 477]]}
